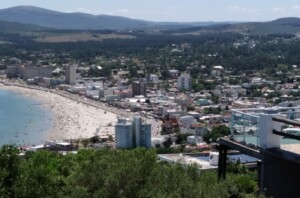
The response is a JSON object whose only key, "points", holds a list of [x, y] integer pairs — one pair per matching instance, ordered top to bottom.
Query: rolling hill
{"points": [[29, 18], [53, 19], [80, 21], [290, 25], [13, 27]]}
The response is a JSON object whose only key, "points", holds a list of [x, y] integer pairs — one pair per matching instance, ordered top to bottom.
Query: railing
{"points": [[286, 121], [244, 123], [244, 127]]}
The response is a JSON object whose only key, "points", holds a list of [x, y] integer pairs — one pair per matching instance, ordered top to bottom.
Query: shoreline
{"points": [[71, 119]]}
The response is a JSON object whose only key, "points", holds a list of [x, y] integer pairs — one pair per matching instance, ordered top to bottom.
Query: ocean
{"points": [[23, 121]]}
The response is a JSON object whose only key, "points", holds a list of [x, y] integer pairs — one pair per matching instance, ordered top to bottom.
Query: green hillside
{"points": [[279, 26], [13, 27], [112, 173]]}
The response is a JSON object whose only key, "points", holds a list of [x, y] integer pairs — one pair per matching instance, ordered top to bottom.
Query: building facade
{"points": [[28, 72], [71, 74], [184, 82], [138, 88], [133, 133], [124, 136]]}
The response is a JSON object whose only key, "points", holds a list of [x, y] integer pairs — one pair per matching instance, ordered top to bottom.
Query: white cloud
{"points": [[295, 7], [237, 8], [278, 9], [84, 10], [122, 11], [97, 12]]}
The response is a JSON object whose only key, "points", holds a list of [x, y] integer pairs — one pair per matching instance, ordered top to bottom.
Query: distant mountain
{"points": [[40, 17], [53, 19], [59, 20], [289, 25], [13, 27]]}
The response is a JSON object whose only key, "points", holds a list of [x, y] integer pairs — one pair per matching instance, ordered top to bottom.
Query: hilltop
{"points": [[30, 18], [59, 20], [290, 25], [12, 27]]}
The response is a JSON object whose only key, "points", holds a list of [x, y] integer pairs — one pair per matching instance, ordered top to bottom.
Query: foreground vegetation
{"points": [[112, 173]]}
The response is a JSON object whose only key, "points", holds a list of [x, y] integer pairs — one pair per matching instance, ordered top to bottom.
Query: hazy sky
{"points": [[174, 10]]}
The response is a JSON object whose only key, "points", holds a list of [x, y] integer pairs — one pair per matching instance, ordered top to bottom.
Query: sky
{"points": [[173, 10]]}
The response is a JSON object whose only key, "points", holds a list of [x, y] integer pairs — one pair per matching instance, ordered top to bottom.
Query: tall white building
{"points": [[71, 74], [153, 78], [184, 82], [133, 133], [124, 136]]}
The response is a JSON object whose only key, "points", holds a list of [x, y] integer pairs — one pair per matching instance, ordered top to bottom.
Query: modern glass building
{"points": [[244, 123]]}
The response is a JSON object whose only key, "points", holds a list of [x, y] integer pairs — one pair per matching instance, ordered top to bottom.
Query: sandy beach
{"points": [[72, 120]]}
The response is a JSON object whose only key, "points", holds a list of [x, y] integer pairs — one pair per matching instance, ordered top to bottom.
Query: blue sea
{"points": [[23, 121]]}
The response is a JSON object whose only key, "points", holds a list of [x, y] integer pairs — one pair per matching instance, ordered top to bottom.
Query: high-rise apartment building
{"points": [[71, 74], [184, 82], [139, 88], [133, 133], [124, 135]]}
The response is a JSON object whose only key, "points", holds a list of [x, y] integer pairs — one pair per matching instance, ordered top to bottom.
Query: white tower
{"points": [[71, 74]]}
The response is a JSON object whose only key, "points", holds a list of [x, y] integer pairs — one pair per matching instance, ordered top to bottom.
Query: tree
{"points": [[197, 86], [147, 101], [190, 108], [226, 108], [217, 131], [95, 139], [85, 142], [167, 143], [9, 170], [132, 173], [40, 176]]}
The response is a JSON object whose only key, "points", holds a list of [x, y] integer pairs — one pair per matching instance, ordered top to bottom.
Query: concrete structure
{"points": [[217, 70], [12, 71], [27, 72], [31, 72], [174, 73], [71, 74], [153, 78], [52, 81], [184, 82], [122, 85], [138, 88], [234, 91], [103, 93], [124, 94], [181, 100], [202, 102], [244, 104], [172, 113], [195, 114], [186, 121], [133, 133], [257, 133], [124, 135], [194, 140], [213, 158], [186, 160]]}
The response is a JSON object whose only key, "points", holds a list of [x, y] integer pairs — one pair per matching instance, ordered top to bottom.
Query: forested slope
{"points": [[111, 173]]}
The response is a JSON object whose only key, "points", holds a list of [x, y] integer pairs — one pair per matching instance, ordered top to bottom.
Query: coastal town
{"points": [[149, 99], [180, 109]]}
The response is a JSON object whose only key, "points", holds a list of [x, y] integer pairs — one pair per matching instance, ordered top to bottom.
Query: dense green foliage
{"points": [[153, 53], [217, 131], [110, 173]]}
